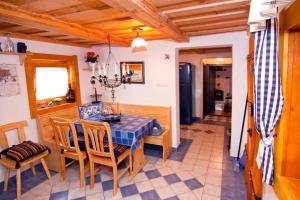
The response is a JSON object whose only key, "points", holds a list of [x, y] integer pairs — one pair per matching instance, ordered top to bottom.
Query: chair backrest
{"points": [[19, 126], [63, 129], [98, 139]]}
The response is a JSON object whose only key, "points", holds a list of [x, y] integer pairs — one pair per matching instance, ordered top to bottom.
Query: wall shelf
{"points": [[21, 55]]}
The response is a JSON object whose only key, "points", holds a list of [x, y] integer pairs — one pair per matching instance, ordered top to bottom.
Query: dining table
{"points": [[129, 131]]}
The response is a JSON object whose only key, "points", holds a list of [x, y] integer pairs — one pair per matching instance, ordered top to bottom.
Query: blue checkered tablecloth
{"points": [[129, 131]]}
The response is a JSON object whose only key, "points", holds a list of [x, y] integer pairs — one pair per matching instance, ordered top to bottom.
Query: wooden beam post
{"points": [[13, 14], [149, 15]]}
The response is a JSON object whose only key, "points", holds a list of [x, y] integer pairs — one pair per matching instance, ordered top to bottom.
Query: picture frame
{"points": [[136, 71]]}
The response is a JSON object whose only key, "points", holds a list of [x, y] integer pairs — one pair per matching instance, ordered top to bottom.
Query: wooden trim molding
{"points": [[32, 61]]}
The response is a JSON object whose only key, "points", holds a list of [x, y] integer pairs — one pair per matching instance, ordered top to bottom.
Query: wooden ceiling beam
{"points": [[184, 4], [206, 6], [222, 6], [14, 14], [149, 15], [211, 17], [114, 25], [215, 25], [215, 31], [42, 39]]}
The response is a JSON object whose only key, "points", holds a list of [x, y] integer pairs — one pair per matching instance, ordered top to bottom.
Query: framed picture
{"points": [[136, 70], [9, 83]]}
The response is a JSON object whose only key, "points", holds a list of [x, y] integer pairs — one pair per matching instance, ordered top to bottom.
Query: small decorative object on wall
{"points": [[8, 44], [21, 47], [167, 56], [92, 59], [136, 70], [9, 83]]}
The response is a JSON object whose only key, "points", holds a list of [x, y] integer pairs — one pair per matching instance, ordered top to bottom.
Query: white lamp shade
{"points": [[138, 42]]}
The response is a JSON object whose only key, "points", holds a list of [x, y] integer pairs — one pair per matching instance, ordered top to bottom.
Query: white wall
{"points": [[197, 60], [162, 76], [162, 79], [224, 83], [16, 108]]}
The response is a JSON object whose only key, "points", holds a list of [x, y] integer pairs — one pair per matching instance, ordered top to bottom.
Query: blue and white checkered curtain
{"points": [[268, 95]]}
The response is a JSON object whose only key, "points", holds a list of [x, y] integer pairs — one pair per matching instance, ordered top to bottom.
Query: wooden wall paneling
{"points": [[287, 142], [291, 160]]}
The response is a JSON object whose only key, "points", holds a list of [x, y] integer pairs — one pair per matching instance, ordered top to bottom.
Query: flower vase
{"points": [[92, 65]]}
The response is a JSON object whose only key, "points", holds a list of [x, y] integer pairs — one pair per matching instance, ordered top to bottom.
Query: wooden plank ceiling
{"points": [[88, 22]]}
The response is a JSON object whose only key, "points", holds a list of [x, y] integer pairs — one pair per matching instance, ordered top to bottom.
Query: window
{"points": [[57, 76], [48, 78]]}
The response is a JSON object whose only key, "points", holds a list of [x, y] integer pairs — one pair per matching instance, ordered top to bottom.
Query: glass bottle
{"points": [[8, 45], [70, 96]]}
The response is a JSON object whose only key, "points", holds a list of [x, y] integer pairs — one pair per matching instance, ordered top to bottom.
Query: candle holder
{"points": [[110, 82]]}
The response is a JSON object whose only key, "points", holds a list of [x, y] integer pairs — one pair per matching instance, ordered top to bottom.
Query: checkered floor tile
{"points": [[198, 174]]}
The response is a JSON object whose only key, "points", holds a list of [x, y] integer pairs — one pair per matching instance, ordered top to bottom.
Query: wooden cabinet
{"points": [[287, 142], [252, 173]]}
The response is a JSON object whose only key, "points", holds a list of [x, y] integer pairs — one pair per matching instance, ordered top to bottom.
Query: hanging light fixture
{"points": [[138, 41], [117, 79]]}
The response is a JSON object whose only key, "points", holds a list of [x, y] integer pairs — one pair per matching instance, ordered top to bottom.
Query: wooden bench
{"points": [[162, 114], [47, 134]]}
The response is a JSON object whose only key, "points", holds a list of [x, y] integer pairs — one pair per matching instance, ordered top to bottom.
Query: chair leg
{"points": [[130, 163], [62, 167], [46, 168], [33, 169], [115, 173], [82, 174], [92, 174], [18, 176], [6, 177]]}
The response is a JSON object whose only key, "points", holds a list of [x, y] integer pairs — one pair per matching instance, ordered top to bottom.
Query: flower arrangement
{"points": [[91, 57]]}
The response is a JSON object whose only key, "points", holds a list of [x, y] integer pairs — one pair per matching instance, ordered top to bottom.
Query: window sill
{"points": [[41, 111]]}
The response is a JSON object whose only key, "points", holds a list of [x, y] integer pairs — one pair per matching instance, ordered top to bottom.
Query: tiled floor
{"points": [[216, 118], [201, 170]]}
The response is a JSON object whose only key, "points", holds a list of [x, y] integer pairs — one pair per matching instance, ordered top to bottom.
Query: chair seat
{"points": [[118, 149], [24, 151], [74, 155], [10, 163]]}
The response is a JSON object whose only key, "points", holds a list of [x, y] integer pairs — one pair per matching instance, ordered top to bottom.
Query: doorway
{"points": [[217, 92]]}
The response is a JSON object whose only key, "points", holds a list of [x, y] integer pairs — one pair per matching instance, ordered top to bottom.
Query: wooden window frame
{"points": [[34, 60]]}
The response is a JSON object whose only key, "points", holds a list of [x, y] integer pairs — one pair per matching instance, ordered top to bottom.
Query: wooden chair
{"points": [[63, 128], [101, 150], [10, 164]]}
